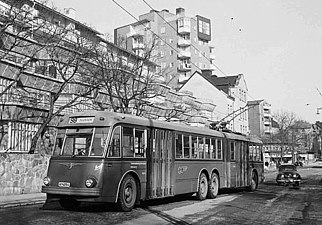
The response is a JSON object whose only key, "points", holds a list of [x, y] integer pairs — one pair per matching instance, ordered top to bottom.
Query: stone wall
{"points": [[22, 173]]}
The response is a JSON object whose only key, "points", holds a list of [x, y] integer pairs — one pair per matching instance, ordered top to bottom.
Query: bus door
{"points": [[241, 164], [232, 165], [160, 173]]}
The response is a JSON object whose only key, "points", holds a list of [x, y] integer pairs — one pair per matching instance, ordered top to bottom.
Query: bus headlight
{"points": [[46, 181], [90, 182]]}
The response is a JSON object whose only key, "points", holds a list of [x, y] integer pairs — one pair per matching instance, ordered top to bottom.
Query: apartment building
{"points": [[181, 44], [46, 62], [260, 118]]}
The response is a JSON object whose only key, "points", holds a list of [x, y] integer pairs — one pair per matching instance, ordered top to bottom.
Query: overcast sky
{"points": [[276, 44]]}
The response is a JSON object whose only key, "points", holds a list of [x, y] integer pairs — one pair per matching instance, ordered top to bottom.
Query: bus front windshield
{"points": [[81, 141]]}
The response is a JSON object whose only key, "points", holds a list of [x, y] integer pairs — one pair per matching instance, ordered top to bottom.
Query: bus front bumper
{"points": [[72, 191]]}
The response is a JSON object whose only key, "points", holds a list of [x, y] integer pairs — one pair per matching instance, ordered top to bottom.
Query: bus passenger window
{"points": [[128, 142], [140, 143], [186, 146], [200, 148], [208, 149], [219, 149], [114, 150], [232, 150], [179, 152], [194, 153]]}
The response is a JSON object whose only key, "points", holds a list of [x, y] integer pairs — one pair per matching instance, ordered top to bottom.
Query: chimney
{"points": [[180, 11], [70, 12], [208, 73]]}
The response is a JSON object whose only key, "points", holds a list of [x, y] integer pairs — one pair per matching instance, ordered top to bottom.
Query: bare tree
{"points": [[127, 79]]}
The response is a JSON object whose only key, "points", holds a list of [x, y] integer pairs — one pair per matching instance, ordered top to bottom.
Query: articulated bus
{"points": [[124, 159]]}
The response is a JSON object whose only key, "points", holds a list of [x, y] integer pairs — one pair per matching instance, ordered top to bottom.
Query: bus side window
{"points": [[194, 141], [128, 142], [140, 143], [115, 144], [186, 148], [201, 148], [219, 148], [208, 149], [232, 150], [179, 152]]}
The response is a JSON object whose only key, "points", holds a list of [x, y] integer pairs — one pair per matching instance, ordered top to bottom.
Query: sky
{"points": [[276, 44]]}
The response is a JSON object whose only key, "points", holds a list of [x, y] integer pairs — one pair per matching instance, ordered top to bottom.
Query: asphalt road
{"points": [[270, 204]]}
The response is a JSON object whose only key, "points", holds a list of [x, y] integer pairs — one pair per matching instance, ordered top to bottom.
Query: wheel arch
{"points": [[205, 171], [137, 181]]}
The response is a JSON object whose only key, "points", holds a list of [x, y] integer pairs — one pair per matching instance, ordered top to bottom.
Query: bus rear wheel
{"points": [[254, 182], [213, 186], [202, 187], [127, 194], [69, 204]]}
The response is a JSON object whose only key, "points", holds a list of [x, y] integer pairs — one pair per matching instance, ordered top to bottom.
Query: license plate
{"points": [[63, 184]]}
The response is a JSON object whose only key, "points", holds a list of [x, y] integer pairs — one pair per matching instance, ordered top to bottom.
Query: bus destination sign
{"points": [[81, 120]]}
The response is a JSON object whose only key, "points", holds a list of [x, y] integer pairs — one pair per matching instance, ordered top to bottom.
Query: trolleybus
{"points": [[124, 159]]}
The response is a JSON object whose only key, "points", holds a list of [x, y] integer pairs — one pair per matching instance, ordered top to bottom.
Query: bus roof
{"points": [[104, 118]]}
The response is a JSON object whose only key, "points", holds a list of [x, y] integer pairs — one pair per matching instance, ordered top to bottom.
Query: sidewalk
{"points": [[23, 199]]}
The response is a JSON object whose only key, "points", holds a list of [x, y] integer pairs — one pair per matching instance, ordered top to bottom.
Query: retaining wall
{"points": [[22, 173]]}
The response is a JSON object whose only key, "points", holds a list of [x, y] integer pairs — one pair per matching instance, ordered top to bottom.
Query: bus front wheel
{"points": [[213, 186], [202, 187], [128, 194]]}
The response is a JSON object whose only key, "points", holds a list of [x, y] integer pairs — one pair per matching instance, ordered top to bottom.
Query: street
{"points": [[270, 204]]}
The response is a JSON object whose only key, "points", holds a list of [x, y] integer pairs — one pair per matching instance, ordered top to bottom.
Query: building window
{"points": [[171, 52], [171, 64]]}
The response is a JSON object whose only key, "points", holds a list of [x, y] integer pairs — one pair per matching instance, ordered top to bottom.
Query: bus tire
{"points": [[253, 182], [213, 186], [202, 187], [127, 194], [69, 204]]}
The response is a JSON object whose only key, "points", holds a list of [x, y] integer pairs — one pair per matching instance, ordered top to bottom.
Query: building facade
{"points": [[182, 44], [47, 63], [228, 94], [260, 118]]}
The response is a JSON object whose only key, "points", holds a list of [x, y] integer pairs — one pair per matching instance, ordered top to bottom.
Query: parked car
{"points": [[298, 163], [288, 174]]}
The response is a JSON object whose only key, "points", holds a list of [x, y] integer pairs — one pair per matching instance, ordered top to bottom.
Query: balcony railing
{"points": [[184, 42], [138, 45], [184, 54]]}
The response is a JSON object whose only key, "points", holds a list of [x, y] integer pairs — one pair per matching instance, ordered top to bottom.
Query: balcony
{"points": [[184, 25], [135, 33], [184, 42], [138, 45], [184, 54], [184, 67]]}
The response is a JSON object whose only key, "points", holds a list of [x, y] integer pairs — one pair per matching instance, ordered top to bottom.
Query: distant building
{"points": [[182, 43], [228, 93], [260, 118]]}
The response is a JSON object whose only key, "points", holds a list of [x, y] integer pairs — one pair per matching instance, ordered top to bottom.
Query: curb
{"points": [[22, 200]]}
